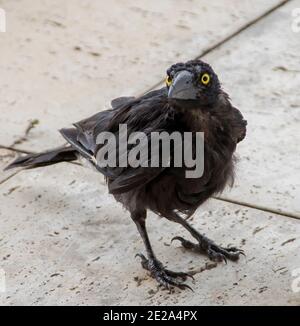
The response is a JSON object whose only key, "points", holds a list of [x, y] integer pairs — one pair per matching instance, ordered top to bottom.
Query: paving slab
{"points": [[264, 56], [62, 61], [260, 69], [64, 240]]}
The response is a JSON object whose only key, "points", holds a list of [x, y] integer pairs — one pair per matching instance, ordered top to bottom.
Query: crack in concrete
{"points": [[228, 38], [205, 52], [22, 139], [17, 150], [10, 176], [228, 200], [258, 207]]}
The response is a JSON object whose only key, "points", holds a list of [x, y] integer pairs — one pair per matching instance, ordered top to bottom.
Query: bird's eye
{"points": [[205, 79], [168, 81]]}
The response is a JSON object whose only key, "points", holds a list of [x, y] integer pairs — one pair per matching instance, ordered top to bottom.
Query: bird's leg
{"points": [[205, 245], [163, 276]]}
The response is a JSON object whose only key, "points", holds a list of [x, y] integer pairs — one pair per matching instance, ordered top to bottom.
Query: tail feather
{"points": [[30, 161]]}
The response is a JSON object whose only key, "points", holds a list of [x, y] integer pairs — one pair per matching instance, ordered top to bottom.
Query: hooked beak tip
{"points": [[182, 87]]}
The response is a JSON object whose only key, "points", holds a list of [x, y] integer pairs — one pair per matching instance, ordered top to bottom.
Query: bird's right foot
{"points": [[212, 250], [163, 276]]}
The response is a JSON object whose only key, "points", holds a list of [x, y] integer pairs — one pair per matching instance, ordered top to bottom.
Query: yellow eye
{"points": [[205, 79], [168, 81]]}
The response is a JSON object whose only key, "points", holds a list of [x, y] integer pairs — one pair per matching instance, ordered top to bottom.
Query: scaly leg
{"points": [[205, 245], [162, 275]]}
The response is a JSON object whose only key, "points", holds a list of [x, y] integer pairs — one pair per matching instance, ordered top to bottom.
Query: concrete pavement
{"points": [[63, 239]]}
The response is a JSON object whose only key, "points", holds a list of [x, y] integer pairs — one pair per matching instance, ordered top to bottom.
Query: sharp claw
{"points": [[178, 238], [185, 243], [231, 249], [236, 250], [214, 252], [242, 253], [141, 256], [144, 261], [190, 275], [164, 277], [167, 282], [174, 283], [181, 286], [185, 286]]}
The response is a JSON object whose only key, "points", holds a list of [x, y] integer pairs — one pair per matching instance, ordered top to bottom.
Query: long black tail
{"points": [[62, 154]]}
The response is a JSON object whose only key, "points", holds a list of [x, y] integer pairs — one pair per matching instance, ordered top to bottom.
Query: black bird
{"points": [[191, 101]]}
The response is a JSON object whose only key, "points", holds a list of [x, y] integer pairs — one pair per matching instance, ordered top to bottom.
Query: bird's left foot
{"points": [[212, 250], [163, 276]]}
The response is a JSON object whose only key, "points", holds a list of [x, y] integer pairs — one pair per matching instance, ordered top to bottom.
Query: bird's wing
{"points": [[121, 101], [146, 114], [230, 118], [240, 125], [87, 128], [132, 178]]}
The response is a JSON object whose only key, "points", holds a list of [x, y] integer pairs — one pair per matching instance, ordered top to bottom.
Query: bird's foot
{"points": [[213, 251], [163, 276]]}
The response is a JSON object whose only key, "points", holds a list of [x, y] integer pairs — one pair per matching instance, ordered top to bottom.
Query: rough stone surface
{"points": [[62, 61], [266, 89], [63, 239], [68, 242]]}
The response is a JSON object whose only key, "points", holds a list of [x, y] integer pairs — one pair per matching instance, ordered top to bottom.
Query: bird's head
{"points": [[193, 82]]}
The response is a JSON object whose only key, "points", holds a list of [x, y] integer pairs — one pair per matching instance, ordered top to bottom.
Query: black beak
{"points": [[183, 87]]}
